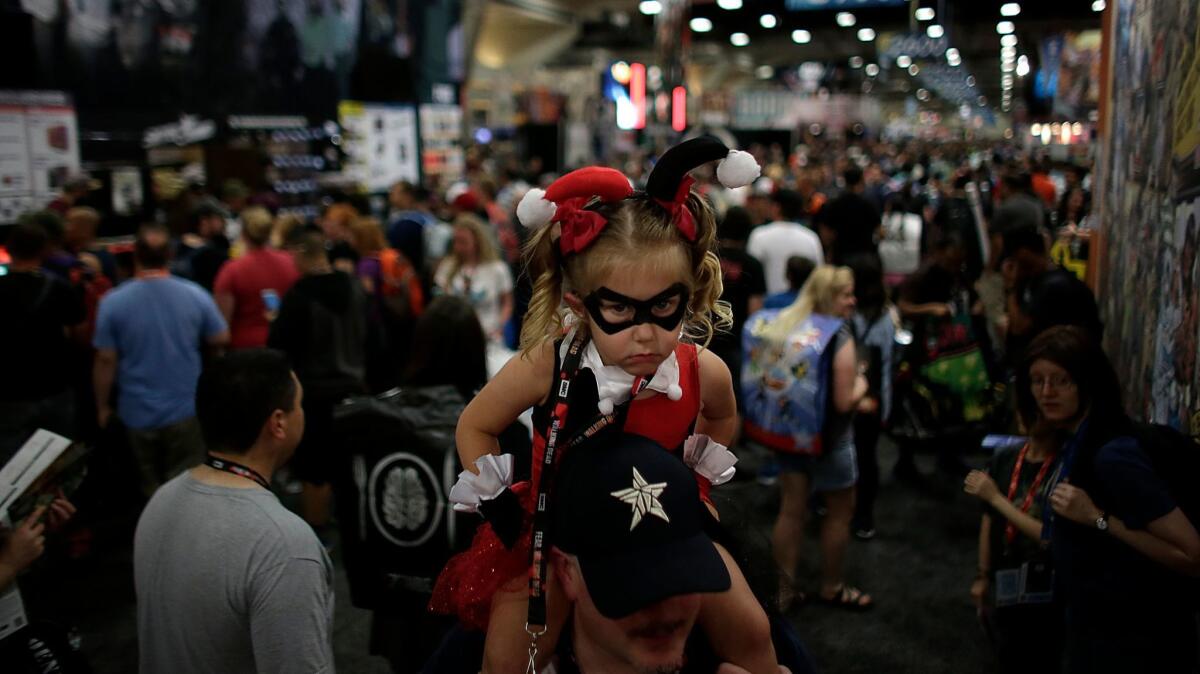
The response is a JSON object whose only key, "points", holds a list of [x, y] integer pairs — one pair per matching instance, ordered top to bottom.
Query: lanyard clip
{"points": [[531, 667]]}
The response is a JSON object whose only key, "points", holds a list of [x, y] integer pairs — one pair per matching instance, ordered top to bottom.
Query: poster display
{"points": [[441, 130], [380, 144], [39, 149], [1149, 199]]}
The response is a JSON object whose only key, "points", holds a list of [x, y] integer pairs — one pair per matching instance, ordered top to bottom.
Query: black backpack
{"points": [[1176, 459], [392, 490]]}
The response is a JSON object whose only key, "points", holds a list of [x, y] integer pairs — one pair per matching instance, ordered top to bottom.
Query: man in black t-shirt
{"points": [[850, 221], [1040, 294], [39, 312], [322, 327]]}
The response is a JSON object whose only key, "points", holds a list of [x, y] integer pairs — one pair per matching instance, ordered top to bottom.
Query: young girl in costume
{"points": [[636, 272]]}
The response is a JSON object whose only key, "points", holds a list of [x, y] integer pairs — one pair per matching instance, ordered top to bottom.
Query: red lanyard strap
{"points": [[558, 416], [1010, 529]]}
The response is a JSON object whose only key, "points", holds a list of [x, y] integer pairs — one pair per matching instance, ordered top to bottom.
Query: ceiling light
{"points": [[729, 4], [1098, 6], [650, 7], [1010, 9], [924, 14], [845, 19], [768, 21], [700, 25], [1005, 27], [935, 31], [866, 34], [801, 36], [739, 39], [1008, 41], [952, 53], [1008, 53], [904, 60], [856, 62], [954, 63], [1022, 66], [1007, 67], [872, 70], [913, 70], [764, 72], [970, 80], [1007, 80], [923, 94], [982, 100], [1035, 130]]}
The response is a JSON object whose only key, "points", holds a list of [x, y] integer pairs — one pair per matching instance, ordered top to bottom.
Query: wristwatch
{"points": [[1102, 522]]}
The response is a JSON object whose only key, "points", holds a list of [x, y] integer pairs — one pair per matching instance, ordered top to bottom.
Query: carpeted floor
{"points": [[918, 568]]}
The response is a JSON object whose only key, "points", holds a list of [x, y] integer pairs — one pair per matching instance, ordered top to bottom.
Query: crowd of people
{"points": [[601, 350]]}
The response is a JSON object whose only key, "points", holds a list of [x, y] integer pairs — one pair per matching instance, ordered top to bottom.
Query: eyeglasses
{"points": [[1056, 383]]}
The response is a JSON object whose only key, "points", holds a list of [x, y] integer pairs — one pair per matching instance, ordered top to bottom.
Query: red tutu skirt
{"points": [[470, 579]]}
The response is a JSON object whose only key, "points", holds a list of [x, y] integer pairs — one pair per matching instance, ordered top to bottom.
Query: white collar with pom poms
{"points": [[614, 385]]}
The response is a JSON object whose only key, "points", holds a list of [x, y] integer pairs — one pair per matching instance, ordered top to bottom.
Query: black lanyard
{"points": [[558, 416], [1069, 451], [237, 469]]}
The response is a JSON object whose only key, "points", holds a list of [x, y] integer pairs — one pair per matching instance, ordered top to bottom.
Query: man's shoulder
{"points": [[251, 513]]}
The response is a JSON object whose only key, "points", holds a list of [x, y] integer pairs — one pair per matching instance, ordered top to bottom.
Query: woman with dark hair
{"points": [[874, 327], [448, 347], [448, 350], [1124, 553]]}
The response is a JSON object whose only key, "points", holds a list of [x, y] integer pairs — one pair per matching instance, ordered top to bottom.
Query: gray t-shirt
{"points": [[230, 581]]}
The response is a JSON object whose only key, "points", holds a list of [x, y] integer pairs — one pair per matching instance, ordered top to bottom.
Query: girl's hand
{"points": [[981, 485], [1074, 504], [25, 543]]}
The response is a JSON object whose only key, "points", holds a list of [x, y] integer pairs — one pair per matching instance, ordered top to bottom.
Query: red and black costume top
{"points": [[469, 581]]}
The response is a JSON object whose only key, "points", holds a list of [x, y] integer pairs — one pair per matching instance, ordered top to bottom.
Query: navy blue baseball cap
{"points": [[631, 513]]}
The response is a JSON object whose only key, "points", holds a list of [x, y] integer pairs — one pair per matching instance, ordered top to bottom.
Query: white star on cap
{"points": [[644, 499]]}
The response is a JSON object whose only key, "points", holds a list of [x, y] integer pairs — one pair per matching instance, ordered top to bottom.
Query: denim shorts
{"points": [[832, 471]]}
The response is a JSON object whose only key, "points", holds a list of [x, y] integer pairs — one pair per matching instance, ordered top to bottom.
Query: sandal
{"points": [[849, 598]]}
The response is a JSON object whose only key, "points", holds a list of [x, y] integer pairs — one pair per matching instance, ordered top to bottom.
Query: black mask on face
{"points": [[614, 312]]}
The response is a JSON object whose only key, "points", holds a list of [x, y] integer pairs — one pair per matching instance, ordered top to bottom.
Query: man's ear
{"points": [[277, 424], [566, 572]]}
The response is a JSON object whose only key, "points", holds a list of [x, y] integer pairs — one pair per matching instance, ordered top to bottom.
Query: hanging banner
{"points": [[381, 144], [39, 149]]}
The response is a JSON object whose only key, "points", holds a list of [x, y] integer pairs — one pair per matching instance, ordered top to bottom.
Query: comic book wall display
{"points": [[1150, 209]]}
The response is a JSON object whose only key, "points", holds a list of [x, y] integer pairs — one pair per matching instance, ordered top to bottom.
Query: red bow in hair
{"points": [[681, 215], [580, 227]]}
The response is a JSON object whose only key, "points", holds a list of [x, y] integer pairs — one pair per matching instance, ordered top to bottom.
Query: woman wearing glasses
{"points": [[1125, 557]]}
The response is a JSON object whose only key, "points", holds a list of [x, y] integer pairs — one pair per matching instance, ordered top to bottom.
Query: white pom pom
{"points": [[738, 169], [534, 211], [674, 392], [606, 406]]}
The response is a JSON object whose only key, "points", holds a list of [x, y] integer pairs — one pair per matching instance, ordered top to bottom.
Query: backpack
{"points": [[400, 286], [786, 388], [1176, 459], [397, 527]]}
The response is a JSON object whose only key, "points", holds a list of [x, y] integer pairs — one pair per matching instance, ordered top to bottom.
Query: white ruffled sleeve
{"points": [[710, 459], [495, 475]]}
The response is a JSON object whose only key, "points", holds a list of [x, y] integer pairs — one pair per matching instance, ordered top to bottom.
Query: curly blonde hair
{"points": [[640, 233]]}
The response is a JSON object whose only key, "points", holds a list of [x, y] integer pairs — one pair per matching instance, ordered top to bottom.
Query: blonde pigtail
{"points": [[709, 313], [542, 320]]}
